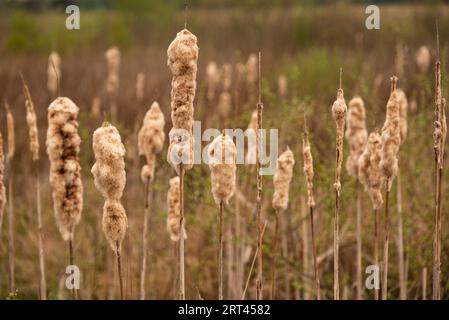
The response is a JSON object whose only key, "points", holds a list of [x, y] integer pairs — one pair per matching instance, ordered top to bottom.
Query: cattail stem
{"points": [[146, 214], [40, 234], [359, 243], [386, 243], [11, 245], [336, 247], [376, 248], [220, 253], [274, 256], [315, 262], [252, 266], [119, 270], [402, 282], [424, 283], [182, 292], [74, 294]]}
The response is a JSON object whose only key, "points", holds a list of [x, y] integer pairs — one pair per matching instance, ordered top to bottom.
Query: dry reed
{"points": [[112, 56], [423, 59], [182, 60], [212, 79], [140, 86], [282, 86], [339, 109], [356, 135], [151, 139], [391, 139], [63, 146], [222, 154], [309, 173], [110, 179], [281, 182], [2, 184]]}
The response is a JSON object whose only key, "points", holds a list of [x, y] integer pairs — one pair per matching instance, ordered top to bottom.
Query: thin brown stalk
{"points": [[146, 214], [40, 234], [359, 243], [386, 244], [11, 246], [376, 247], [336, 248], [220, 253], [274, 256], [71, 259], [315, 263], [252, 265], [119, 270], [259, 282], [402, 282], [424, 283], [182, 291]]}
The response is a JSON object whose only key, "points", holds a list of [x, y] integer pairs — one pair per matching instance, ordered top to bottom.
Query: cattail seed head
{"points": [[112, 56], [423, 59], [182, 60], [251, 70], [53, 72], [227, 76], [212, 79], [140, 86], [282, 86], [403, 106], [339, 109], [32, 124], [10, 132], [356, 134], [391, 137], [151, 139], [63, 146], [222, 153], [308, 169], [370, 173], [110, 178], [281, 180], [174, 210]]}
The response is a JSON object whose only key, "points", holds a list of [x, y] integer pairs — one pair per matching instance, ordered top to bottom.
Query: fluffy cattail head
{"points": [[112, 56], [423, 59], [182, 60], [251, 69], [53, 72], [227, 76], [212, 79], [140, 86], [282, 86], [403, 106], [339, 109], [32, 124], [10, 131], [355, 133], [391, 137], [151, 139], [63, 146], [222, 153], [109, 168], [308, 169], [370, 173], [110, 178], [282, 179], [174, 210]]}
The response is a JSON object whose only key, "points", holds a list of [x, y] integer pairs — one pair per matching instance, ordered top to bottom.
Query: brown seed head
{"points": [[282, 179]]}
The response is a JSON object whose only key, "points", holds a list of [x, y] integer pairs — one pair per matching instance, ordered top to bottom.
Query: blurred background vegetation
{"points": [[307, 41]]}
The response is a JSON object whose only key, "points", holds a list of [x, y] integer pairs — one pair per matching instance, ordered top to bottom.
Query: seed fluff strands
{"points": [[182, 61], [53, 72], [339, 109], [356, 135], [391, 139], [150, 142], [63, 146], [34, 149], [222, 153], [309, 173], [370, 175], [110, 179], [281, 182], [174, 206]]}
